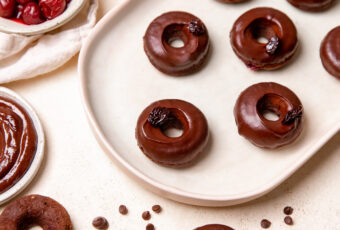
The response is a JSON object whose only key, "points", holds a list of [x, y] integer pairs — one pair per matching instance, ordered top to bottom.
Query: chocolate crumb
{"points": [[196, 27], [272, 45], [292, 115], [160, 116], [157, 208], [123, 210], [288, 210], [146, 215], [288, 220], [100, 223], [265, 223], [150, 227]]}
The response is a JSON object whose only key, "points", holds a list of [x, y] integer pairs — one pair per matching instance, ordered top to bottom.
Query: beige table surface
{"points": [[78, 174]]}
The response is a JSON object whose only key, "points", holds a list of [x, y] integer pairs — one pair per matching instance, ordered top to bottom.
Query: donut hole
{"points": [[262, 30], [174, 36], [262, 40], [176, 43], [270, 107], [270, 115], [174, 128], [173, 132], [29, 224], [35, 228]]}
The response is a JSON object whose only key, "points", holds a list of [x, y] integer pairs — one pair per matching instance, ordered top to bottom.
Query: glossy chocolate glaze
{"points": [[312, 5], [268, 23], [330, 52], [170, 60], [251, 123], [18, 143], [173, 151], [214, 227]]}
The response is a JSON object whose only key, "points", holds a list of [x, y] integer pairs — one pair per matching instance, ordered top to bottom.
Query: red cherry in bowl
{"points": [[23, 2], [7, 8], [52, 8], [20, 10], [31, 14]]}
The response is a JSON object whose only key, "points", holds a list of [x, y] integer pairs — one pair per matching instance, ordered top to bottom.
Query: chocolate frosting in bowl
{"points": [[18, 143]]}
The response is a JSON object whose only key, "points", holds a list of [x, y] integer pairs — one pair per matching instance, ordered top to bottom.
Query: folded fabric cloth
{"points": [[23, 57]]}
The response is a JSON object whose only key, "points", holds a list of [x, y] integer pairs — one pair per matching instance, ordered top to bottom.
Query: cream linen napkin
{"points": [[23, 57]]}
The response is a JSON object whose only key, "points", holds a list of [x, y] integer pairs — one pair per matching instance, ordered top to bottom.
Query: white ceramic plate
{"points": [[72, 10], [118, 82], [33, 169]]}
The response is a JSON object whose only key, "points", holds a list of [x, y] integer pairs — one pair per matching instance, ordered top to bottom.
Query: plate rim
{"points": [[32, 171], [154, 185]]}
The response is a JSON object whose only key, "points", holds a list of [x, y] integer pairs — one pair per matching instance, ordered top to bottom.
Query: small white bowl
{"points": [[73, 8], [38, 157]]}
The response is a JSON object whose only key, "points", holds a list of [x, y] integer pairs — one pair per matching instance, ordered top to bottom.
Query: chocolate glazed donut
{"points": [[312, 5], [268, 23], [172, 26], [330, 52], [268, 97], [172, 151], [35, 210], [214, 227]]}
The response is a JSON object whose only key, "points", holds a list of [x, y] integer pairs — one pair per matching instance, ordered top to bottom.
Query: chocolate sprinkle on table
{"points": [[157, 208], [123, 210], [288, 210], [146, 215], [288, 220], [100, 223], [265, 223], [150, 227]]}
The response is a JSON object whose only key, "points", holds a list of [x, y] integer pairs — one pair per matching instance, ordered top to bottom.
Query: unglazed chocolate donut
{"points": [[312, 5], [270, 24], [172, 26], [330, 52], [268, 97], [172, 151], [35, 210], [214, 227]]}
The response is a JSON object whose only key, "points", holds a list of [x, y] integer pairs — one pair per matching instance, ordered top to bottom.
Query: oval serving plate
{"points": [[73, 8], [118, 82], [39, 155]]}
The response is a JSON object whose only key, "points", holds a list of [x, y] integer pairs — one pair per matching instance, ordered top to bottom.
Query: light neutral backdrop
{"points": [[78, 174]]}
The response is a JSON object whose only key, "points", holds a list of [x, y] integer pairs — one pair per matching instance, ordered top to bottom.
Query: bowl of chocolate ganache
{"points": [[21, 144]]}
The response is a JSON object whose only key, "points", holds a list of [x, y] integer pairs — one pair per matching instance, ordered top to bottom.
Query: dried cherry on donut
{"points": [[7, 8], [52, 8], [31, 14], [196, 27], [160, 116]]}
